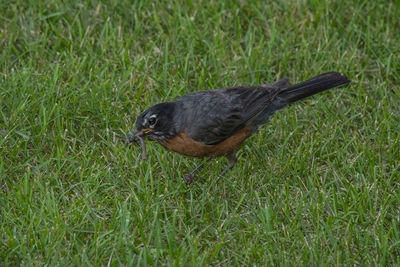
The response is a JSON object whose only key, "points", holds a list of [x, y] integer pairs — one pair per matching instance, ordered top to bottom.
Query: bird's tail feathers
{"points": [[312, 86]]}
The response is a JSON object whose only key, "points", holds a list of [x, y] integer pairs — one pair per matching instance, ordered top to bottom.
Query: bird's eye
{"points": [[152, 121]]}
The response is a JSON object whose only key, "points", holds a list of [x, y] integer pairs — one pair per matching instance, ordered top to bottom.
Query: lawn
{"points": [[318, 185]]}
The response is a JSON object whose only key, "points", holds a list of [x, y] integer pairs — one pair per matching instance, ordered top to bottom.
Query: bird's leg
{"points": [[232, 159], [189, 178]]}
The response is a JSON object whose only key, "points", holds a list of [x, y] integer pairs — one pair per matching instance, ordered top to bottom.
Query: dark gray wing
{"points": [[213, 116]]}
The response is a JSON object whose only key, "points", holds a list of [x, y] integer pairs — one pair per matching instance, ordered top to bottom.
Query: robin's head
{"points": [[156, 123]]}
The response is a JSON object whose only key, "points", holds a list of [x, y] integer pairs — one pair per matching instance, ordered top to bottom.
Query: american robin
{"points": [[215, 122]]}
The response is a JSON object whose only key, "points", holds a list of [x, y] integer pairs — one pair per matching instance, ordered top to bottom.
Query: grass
{"points": [[319, 185]]}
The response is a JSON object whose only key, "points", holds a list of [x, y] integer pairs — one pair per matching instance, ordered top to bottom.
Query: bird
{"points": [[214, 123]]}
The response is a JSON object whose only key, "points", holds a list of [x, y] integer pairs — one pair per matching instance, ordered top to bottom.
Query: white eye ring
{"points": [[152, 120]]}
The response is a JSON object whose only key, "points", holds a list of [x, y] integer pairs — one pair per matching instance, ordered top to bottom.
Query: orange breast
{"points": [[183, 144]]}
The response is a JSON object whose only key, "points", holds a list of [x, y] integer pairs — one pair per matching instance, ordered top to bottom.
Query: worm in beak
{"points": [[133, 138]]}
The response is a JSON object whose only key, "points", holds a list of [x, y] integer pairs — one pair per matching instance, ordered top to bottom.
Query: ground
{"points": [[318, 185]]}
